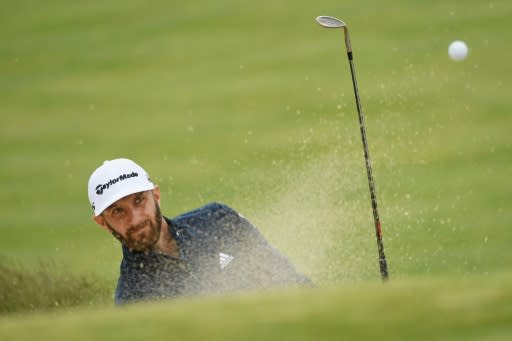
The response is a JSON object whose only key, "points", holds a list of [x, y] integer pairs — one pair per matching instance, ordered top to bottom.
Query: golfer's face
{"points": [[135, 220]]}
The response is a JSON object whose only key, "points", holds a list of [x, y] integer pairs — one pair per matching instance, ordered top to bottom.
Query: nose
{"points": [[135, 217]]}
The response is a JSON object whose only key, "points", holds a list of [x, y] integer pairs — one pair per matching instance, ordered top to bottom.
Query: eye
{"points": [[139, 199], [117, 211]]}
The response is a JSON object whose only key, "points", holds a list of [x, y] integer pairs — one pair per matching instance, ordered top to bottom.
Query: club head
{"points": [[330, 22]]}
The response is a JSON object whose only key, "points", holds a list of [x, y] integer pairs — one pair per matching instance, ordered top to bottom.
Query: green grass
{"points": [[252, 105], [47, 288], [474, 308]]}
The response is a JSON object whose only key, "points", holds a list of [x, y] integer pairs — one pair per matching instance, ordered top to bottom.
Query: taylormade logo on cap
{"points": [[114, 180], [101, 188]]}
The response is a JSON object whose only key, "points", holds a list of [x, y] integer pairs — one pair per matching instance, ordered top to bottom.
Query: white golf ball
{"points": [[458, 50]]}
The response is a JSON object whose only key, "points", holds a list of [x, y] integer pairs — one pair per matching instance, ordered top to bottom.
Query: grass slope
{"points": [[228, 103], [47, 288], [473, 308]]}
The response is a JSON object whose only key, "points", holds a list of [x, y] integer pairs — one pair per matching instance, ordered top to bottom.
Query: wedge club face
{"points": [[330, 22]]}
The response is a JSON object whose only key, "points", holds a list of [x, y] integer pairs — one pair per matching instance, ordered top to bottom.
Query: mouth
{"points": [[137, 228]]}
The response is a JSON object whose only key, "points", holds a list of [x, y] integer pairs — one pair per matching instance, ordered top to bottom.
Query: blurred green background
{"points": [[251, 104]]}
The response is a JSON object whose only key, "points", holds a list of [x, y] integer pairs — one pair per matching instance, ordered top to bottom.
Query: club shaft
{"points": [[371, 183]]}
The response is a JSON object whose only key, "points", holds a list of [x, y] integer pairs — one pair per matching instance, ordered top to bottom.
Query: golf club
{"points": [[331, 22]]}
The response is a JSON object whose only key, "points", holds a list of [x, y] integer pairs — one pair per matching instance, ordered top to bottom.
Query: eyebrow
{"points": [[137, 195], [112, 206]]}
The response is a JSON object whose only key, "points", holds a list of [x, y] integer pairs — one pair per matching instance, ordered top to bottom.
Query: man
{"points": [[212, 249]]}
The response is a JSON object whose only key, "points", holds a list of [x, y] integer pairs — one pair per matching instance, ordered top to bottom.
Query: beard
{"points": [[142, 236]]}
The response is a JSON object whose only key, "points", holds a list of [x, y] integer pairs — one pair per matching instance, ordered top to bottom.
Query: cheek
{"points": [[151, 208], [115, 222], [118, 226], [115, 232]]}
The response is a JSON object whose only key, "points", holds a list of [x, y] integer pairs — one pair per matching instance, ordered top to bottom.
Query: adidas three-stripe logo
{"points": [[225, 259]]}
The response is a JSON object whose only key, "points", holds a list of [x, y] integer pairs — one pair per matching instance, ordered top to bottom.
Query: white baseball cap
{"points": [[114, 180]]}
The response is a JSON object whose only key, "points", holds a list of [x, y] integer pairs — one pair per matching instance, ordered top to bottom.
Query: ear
{"points": [[156, 193], [101, 221]]}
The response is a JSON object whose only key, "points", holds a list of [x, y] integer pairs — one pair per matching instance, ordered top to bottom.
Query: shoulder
{"points": [[211, 208], [207, 214], [214, 219]]}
